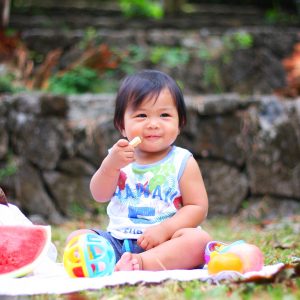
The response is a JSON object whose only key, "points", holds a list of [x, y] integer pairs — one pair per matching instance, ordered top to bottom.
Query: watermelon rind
{"points": [[28, 268]]}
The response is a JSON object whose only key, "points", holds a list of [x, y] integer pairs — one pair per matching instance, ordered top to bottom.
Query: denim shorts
{"points": [[120, 246]]}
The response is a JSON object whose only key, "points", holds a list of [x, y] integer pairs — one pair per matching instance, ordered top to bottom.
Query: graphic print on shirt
{"points": [[122, 180], [156, 184]]}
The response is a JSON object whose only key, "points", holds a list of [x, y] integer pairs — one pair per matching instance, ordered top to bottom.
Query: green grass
{"points": [[279, 241]]}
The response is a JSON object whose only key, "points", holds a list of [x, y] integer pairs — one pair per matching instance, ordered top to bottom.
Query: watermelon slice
{"points": [[22, 247]]}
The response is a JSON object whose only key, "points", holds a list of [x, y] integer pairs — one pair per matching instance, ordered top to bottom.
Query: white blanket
{"points": [[51, 278]]}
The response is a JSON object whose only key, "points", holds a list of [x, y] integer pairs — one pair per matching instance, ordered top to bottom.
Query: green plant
{"points": [[141, 8], [276, 15], [90, 36], [238, 40], [243, 40], [204, 53], [132, 56], [168, 56], [214, 58], [212, 77], [76, 81], [107, 83], [8, 85], [9, 169], [76, 209]]}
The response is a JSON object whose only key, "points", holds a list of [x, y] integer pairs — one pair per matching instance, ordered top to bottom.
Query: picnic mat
{"points": [[51, 278]]}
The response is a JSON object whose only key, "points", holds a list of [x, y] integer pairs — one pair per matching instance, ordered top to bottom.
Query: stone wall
{"points": [[197, 49], [248, 149]]}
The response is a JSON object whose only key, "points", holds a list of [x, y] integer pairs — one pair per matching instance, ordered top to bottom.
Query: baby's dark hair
{"points": [[141, 86]]}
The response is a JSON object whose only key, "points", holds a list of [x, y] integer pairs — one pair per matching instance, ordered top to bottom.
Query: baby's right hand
{"points": [[121, 154]]}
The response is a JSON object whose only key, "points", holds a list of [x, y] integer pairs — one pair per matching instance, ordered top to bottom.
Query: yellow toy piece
{"points": [[224, 262]]}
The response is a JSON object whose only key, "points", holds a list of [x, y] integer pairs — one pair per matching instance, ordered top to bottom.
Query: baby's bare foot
{"points": [[128, 262]]}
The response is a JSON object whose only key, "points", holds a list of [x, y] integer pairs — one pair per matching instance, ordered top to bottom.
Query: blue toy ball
{"points": [[89, 255]]}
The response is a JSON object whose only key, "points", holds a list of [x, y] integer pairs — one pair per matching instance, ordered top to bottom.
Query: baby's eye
{"points": [[165, 115], [141, 116]]}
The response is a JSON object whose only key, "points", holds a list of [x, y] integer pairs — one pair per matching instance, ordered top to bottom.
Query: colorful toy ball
{"points": [[89, 255]]}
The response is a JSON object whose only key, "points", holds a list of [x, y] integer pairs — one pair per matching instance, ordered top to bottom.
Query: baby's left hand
{"points": [[153, 237]]}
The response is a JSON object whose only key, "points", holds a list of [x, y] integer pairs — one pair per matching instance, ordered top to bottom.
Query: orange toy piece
{"points": [[224, 262]]}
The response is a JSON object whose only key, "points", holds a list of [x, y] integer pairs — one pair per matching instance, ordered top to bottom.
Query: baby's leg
{"points": [[185, 250]]}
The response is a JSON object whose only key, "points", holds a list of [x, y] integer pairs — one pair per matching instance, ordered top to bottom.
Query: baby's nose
{"points": [[153, 123]]}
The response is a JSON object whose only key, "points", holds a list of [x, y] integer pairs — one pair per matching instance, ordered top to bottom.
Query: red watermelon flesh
{"points": [[22, 247]]}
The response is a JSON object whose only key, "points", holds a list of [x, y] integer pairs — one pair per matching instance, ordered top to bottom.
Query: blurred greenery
{"points": [[147, 6], [141, 8], [277, 15], [169, 56], [87, 78], [76, 81], [5, 84], [8, 84], [8, 168]]}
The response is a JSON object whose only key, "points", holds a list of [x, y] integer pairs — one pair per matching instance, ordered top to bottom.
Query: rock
{"points": [[54, 105], [38, 127], [3, 129], [219, 136], [3, 140], [38, 140], [246, 147], [273, 161], [76, 167], [226, 187], [70, 193], [33, 198], [269, 208]]}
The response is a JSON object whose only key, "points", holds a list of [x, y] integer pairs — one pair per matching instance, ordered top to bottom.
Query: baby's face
{"points": [[156, 121]]}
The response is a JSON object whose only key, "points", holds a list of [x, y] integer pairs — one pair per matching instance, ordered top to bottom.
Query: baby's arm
{"points": [[104, 182], [194, 198], [193, 212]]}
